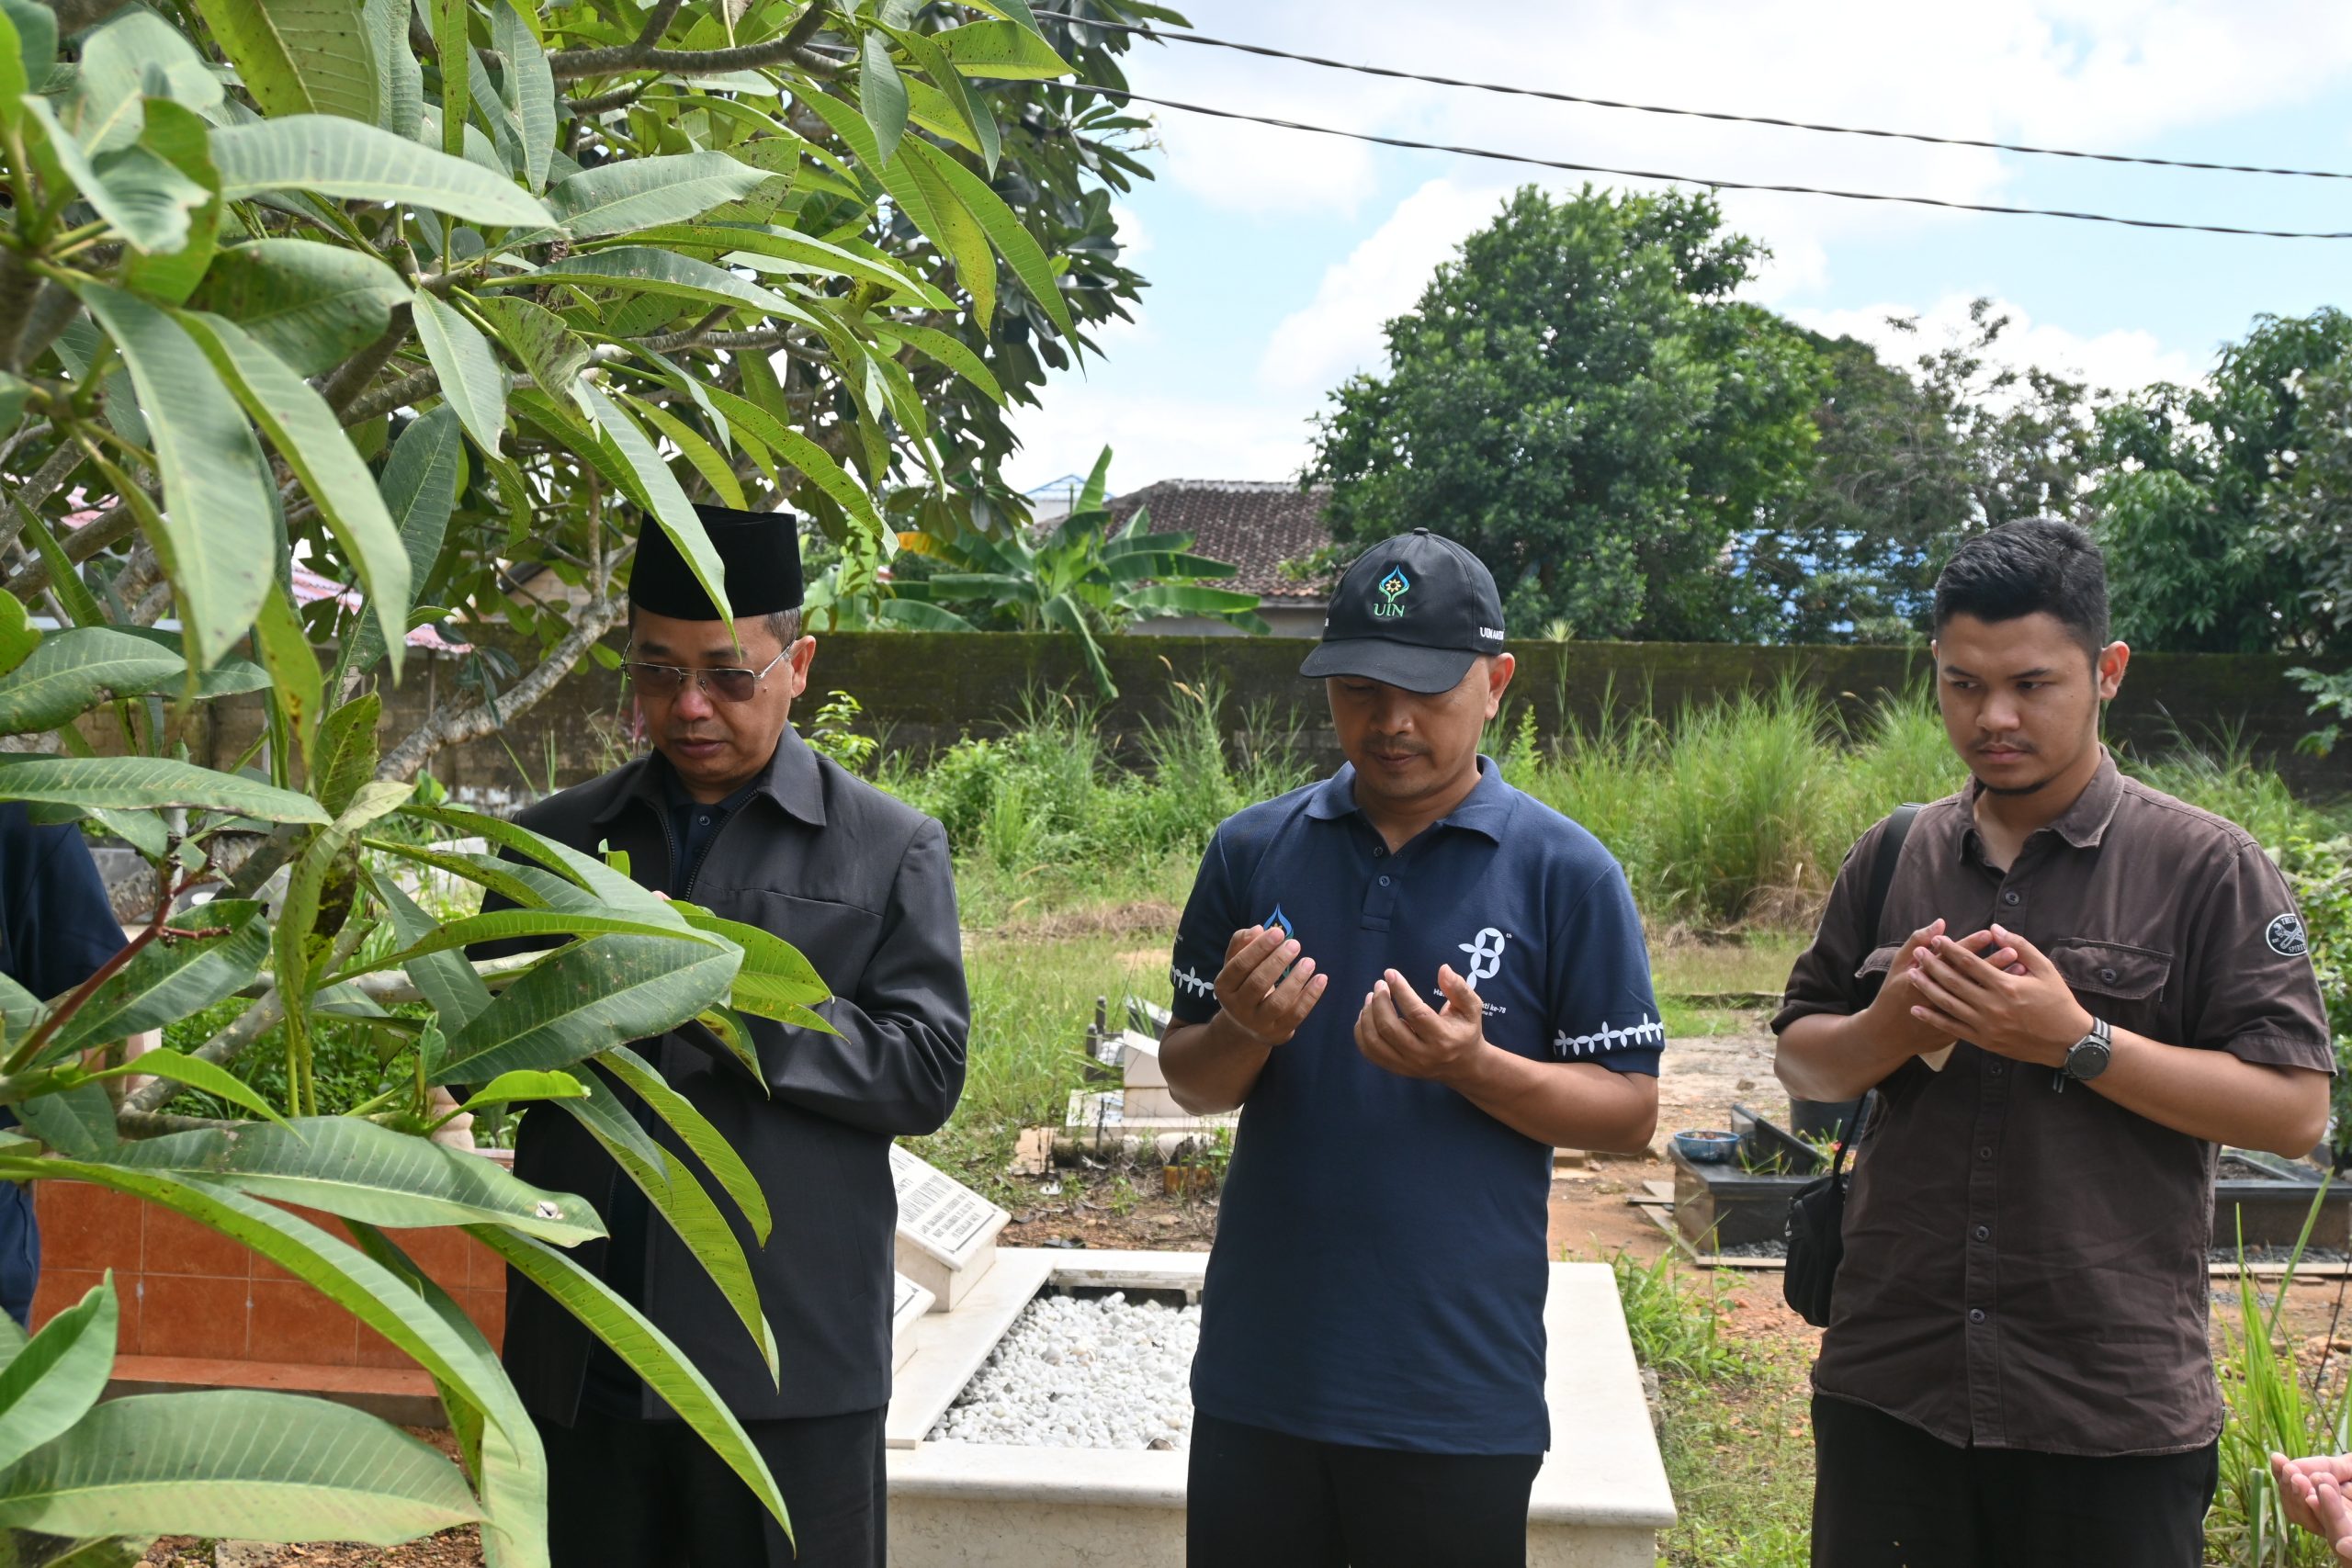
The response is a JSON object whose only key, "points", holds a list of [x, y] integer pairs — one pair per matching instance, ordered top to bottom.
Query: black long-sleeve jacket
{"points": [[862, 884]]}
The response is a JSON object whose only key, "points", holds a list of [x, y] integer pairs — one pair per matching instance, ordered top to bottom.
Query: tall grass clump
{"points": [[2224, 776], [1675, 1330], [2270, 1410]]}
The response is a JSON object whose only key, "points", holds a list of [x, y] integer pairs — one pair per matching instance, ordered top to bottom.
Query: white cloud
{"points": [[2102, 73], [1338, 331], [2116, 361], [1155, 436]]}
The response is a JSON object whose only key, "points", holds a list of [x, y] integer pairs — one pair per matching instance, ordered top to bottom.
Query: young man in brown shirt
{"points": [[2089, 986]]}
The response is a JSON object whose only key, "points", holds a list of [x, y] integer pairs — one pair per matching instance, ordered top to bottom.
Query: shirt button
{"points": [[704, 819], [1380, 852], [1384, 881], [2009, 897], [2107, 976], [1994, 1068], [1984, 1153], [1983, 1232], [1975, 1315]]}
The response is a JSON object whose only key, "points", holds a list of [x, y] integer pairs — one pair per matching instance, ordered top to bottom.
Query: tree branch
{"points": [[73, 15], [786, 47], [351, 377], [29, 500], [455, 722]]}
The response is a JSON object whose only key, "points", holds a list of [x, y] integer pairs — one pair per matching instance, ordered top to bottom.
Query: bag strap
{"points": [[1884, 863], [1883, 866]]}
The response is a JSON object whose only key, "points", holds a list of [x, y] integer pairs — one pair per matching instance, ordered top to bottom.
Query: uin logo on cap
{"points": [[1392, 588]]}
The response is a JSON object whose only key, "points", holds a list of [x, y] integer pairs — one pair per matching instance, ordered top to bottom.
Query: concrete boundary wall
{"points": [[923, 690]]}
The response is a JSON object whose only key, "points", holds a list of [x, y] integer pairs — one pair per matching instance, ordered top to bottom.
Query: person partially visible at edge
{"points": [[735, 812], [56, 930], [2089, 986], [1369, 1387], [2317, 1493]]}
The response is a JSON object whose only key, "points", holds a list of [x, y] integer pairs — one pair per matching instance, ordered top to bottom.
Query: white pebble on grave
{"points": [[1071, 1372]]}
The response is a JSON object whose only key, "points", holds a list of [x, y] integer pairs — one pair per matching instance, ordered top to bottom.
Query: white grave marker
{"points": [[1145, 1087], [947, 1231], [908, 1301]]}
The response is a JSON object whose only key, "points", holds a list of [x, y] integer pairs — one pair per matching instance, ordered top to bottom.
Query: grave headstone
{"points": [[1144, 1088], [947, 1231], [908, 1301]]}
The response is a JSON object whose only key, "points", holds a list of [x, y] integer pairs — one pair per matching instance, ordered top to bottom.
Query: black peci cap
{"points": [[761, 553], [1416, 611]]}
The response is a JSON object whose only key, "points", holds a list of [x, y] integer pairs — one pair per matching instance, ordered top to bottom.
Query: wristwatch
{"points": [[2088, 1057]]}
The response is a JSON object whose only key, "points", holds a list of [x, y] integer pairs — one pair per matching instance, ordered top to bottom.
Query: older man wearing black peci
{"points": [[733, 811]]}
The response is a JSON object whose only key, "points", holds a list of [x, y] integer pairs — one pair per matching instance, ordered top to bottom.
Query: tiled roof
{"points": [[1255, 524]]}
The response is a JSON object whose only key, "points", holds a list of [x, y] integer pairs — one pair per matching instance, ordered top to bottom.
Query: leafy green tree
{"points": [[424, 299], [1580, 399], [1911, 459], [2218, 506]]}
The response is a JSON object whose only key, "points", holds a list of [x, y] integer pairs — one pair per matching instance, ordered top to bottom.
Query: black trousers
{"points": [[628, 1494], [1886, 1495], [1261, 1499]]}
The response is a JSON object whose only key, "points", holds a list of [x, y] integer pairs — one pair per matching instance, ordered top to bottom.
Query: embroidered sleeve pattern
{"points": [[1649, 1034]]}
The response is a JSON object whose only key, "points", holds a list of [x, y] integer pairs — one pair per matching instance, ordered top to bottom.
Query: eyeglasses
{"points": [[667, 681]]}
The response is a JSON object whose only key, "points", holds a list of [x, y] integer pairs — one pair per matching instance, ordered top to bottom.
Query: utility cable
{"points": [[1158, 35], [1714, 183]]}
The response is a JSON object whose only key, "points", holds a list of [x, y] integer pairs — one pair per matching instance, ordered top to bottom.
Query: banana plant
{"points": [[443, 300], [1088, 575]]}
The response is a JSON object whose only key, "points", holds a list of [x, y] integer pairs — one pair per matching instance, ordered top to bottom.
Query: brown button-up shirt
{"points": [[2025, 1268]]}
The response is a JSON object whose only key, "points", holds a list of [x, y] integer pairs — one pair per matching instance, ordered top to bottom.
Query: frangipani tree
{"points": [[443, 300]]}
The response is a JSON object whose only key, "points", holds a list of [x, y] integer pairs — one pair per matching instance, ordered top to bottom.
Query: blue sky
{"points": [[1275, 255]]}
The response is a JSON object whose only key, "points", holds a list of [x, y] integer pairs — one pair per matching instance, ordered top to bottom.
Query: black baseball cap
{"points": [[1416, 611]]}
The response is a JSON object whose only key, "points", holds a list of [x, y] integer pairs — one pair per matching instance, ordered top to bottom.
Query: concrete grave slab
{"points": [[1599, 1502]]}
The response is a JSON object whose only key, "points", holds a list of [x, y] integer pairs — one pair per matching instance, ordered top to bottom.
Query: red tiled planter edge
{"points": [[199, 1309]]}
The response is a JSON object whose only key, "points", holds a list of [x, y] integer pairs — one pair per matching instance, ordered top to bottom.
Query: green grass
{"points": [[1755, 960], [1032, 1000], [1737, 1439]]}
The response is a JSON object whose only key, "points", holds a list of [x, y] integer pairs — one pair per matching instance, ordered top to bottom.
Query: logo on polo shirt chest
{"points": [[1392, 587], [1485, 951]]}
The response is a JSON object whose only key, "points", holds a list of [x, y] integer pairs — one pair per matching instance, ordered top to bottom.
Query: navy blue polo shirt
{"points": [[56, 927], [1379, 1272]]}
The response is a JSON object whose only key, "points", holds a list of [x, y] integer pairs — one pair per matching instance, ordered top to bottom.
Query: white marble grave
{"points": [[1144, 1088], [947, 1231], [908, 1301], [1599, 1501]]}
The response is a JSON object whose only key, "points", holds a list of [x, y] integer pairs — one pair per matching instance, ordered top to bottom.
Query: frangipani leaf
{"points": [[297, 56], [351, 161], [638, 193], [470, 378], [215, 538], [73, 670], [171, 979], [587, 999], [507, 1088], [694, 1129], [352, 1167], [648, 1353], [51, 1381], [235, 1462]]}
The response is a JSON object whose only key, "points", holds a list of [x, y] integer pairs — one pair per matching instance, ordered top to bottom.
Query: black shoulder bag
{"points": [[1816, 1230]]}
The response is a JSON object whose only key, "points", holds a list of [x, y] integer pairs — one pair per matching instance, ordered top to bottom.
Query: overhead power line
{"points": [[1160, 35], [1714, 183]]}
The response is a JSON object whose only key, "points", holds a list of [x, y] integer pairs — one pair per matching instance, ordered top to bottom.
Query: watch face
{"points": [[2088, 1058]]}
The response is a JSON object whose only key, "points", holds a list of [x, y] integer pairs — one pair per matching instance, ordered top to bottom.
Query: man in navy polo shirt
{"points": [[56, 930], [1369, 1388]]}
